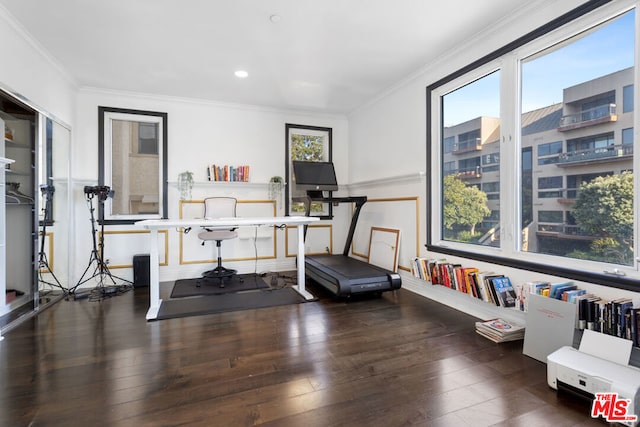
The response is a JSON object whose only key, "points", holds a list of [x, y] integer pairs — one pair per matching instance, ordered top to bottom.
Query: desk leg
{"points": [[301, 274], [154, 276]]}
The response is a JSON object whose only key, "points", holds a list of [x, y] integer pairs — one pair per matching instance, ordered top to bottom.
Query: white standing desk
{"points": [[153, 225]]}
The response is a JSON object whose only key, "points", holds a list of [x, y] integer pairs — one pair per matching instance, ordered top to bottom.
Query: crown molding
{"points": [[22, 32], [440, 62], [207, 102]]}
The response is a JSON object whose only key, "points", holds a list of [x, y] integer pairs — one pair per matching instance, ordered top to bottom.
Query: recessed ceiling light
{"points": [[275, 18], [241, 74]]}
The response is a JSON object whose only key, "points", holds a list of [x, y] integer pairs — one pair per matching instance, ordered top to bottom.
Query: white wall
{"points": [[28, 71], [201, 133], [387, 143]]}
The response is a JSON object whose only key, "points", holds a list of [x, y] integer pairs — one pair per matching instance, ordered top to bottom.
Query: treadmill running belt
{"points": [[344, 275]]}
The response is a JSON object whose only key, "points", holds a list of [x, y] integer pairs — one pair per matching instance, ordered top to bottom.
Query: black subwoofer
{"points": [[141, 266]]}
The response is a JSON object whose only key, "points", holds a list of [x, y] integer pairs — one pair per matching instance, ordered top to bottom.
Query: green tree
{"points": [[309, 148], [463, 205], [604, 209]]}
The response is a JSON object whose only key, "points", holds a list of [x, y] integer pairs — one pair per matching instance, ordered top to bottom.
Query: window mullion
{"points": [[509, 142], [636, 152]]}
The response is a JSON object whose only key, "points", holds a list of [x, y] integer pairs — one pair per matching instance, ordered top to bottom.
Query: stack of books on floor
{"points": [[499, 330]]}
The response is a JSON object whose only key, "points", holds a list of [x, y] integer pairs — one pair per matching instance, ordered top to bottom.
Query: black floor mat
{"points": [[242, 282], [211, 304]]}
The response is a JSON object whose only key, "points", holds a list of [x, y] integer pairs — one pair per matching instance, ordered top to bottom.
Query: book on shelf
{"points": [[227, 173], [416, 268], [433, 270], [480, 280], [469, 282], [538, 287], [556, 289], [491, 290], [523, 290], [504, 291], [571, 295], [622, 307], [586, 311], [618, 317], [635, 319], [500, 330]]}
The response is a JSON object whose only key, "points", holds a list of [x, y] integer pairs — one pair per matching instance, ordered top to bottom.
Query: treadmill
{"points": [[341, 274]]}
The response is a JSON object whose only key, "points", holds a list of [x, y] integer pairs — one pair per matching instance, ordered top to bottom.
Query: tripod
{"points": [[43, 262], [100, 270]]}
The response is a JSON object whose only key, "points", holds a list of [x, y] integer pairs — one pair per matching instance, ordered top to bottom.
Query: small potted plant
{"points": [[185, 184], [276, 184]]}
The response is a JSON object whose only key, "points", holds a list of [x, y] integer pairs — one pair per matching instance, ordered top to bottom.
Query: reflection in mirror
{"points": [[309, 144], [133, 164], [53, 180]]}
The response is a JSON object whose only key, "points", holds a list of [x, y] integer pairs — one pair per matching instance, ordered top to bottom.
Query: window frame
{"points": [[508, 60], [105, 114], [290, 129]]}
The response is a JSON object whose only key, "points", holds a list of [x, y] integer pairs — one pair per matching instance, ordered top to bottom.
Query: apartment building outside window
{"points": [[576, 117]]}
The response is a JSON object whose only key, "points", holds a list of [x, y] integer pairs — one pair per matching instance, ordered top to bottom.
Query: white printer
{"points": [[582, 373]]}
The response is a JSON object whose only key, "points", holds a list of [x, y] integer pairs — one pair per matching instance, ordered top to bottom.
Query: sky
{"points": [[603, 51]]}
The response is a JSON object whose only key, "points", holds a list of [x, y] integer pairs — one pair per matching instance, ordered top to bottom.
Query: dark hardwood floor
{"points": [[396, 360]]}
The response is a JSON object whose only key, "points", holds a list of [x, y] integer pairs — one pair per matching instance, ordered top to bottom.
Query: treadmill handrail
{"points": [[358, 200]]}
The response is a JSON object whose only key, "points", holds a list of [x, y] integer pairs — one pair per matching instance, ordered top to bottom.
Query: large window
{"points": [[470, 119], [570, 209]]}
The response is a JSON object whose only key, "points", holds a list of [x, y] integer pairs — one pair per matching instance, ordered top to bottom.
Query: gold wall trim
{"points": [[415, 199], [166, 245], [295, 253], [49, 254], [209, 261]]}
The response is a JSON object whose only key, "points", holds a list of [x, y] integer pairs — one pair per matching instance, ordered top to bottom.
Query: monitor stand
{"points": [[315, 194]]}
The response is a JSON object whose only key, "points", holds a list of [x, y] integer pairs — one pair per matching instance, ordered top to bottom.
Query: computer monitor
{"points": [[312, 178]]}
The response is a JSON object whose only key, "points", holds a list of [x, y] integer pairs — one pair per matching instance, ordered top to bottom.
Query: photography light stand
{"points": [[43, 263], [100, 270]]}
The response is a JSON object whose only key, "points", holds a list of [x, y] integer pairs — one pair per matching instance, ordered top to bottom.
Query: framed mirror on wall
{"points": [[308, 144], [132, 164], [54, 200]]}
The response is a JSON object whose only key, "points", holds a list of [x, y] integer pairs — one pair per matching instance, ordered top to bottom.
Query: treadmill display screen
{"points": [[314, 176]]}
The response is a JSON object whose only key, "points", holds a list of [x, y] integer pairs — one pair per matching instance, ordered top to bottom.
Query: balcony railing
{"points": [[592, 116], [474, 144], [593, 154], [469, 173], [565, 231]]}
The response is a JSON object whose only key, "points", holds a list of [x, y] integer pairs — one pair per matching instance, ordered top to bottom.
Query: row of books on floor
{"points": [[228, 173], [484, 285], [565, 291], [619, 317], [500, 330]]}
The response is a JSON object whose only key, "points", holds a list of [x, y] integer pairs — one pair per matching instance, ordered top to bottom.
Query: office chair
{"points": [[218, 207]]}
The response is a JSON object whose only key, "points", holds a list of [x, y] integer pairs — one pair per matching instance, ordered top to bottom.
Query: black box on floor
{"points": [[141, 266]]}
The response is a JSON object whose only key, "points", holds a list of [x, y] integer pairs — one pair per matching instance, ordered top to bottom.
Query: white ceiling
{"points": [[322, 55]]}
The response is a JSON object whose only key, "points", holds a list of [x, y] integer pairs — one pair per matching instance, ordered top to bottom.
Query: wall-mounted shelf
{"points": [[13, 144], [5, 161], [16, 173], [239, 184], [9, 203]]}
